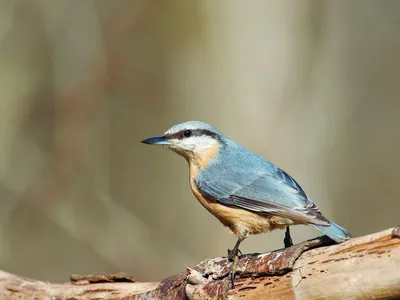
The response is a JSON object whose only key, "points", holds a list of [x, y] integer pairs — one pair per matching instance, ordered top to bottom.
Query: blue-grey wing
{"points": [[273, 192]]}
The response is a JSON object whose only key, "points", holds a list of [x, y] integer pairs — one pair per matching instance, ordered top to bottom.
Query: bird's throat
{"points": [[201, 159]]}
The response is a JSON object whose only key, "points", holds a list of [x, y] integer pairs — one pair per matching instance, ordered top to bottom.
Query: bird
{"points": [[247, 193]]}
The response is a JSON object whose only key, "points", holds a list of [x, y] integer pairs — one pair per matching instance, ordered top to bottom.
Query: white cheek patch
{"points": [[198, 143]]}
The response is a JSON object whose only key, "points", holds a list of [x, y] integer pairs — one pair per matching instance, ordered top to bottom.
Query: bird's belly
{"points": [[243, 222]]}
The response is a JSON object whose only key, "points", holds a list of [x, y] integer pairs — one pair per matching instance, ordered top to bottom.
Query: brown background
{"points": [[314, 86]]}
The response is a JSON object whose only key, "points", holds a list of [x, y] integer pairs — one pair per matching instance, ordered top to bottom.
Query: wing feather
{"points": [[274, 193]]}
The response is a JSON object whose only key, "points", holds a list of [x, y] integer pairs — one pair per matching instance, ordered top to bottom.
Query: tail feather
{"points": [[334, 231]]}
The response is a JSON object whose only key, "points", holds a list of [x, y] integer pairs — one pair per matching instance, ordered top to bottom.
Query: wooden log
{"points": [[366, 267], [361, 268]]}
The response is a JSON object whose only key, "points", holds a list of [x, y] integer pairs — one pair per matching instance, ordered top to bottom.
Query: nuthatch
{"points": [[245, 192]]}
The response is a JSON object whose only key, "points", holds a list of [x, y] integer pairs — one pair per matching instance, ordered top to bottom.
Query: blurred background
{"points": [[313, 86]]}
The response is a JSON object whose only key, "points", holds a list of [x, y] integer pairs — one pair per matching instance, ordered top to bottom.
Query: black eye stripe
{"points": [[195, 132], [199, 132]]}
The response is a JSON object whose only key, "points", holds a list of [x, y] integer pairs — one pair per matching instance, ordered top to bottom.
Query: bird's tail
{"points": [[334, 231]]}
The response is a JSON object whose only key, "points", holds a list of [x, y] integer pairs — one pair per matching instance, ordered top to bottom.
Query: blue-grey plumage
{"points": [[246, 192]]}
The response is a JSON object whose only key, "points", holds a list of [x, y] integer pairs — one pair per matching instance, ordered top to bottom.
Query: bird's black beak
{"points": [[158, 140]]}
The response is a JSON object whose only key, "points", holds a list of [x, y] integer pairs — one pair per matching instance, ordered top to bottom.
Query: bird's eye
{"points": [[187, 133]]}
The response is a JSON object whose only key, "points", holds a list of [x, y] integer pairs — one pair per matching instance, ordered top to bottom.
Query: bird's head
{"points": [[196, 141]]}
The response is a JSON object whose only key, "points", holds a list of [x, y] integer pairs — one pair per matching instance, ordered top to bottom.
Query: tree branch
{"points": [[366, 267]]}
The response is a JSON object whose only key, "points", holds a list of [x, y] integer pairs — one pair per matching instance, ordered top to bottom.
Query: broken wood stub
{"points": [[101, 278]]}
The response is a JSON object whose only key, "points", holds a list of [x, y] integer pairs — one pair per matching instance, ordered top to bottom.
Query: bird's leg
{"points": [[288, 239], [234, 252], [233, 256], [233, 270]]}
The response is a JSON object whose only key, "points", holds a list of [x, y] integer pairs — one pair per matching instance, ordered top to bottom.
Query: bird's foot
{"points": [[288, 239], [232, 254], [234, 257]]}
